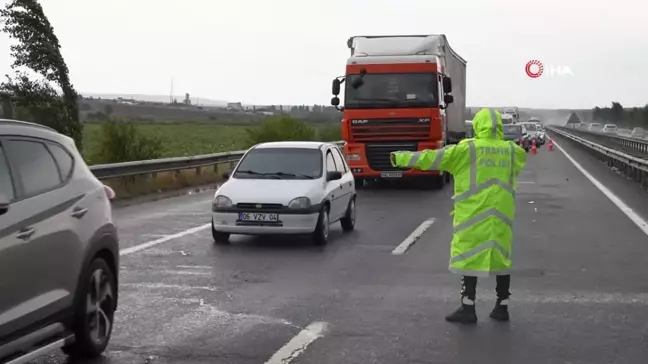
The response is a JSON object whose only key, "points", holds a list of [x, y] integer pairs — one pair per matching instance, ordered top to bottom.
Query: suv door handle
{"points": [[79, 212], [25, 233]]}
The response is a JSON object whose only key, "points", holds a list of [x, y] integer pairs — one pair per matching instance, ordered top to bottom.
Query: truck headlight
{"points": [[353, 157], [221, 201], [300, 203]]}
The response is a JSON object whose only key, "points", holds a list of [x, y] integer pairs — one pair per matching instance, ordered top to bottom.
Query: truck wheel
{"points": [[359, 182]]}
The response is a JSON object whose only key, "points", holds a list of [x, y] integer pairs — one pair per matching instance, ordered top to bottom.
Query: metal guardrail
{"points": [[636, 146], [632, 166], [136, 168]]}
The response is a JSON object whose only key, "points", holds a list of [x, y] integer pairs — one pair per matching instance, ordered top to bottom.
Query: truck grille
{"points": [[390, 129], [378, 154]]}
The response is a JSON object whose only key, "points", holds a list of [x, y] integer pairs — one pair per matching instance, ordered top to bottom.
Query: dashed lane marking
{"points": [[630, 213], [413, 237], [164, 239], [298, 344]]}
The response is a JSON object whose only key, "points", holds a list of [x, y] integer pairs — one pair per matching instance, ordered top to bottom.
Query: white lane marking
{"points": [[523, 182], [638, 220], [413, 237], [155, 242], [194, 266], [171, 286], [297, 345]]}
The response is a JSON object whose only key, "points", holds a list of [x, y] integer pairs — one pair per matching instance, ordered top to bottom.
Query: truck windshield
{"points": [[392, 90]]}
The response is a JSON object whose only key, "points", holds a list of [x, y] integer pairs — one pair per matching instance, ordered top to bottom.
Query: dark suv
{"points": [[59, 252]]}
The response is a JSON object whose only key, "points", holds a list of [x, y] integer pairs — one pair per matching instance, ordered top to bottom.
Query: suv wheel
{"points": [[349, 219], [321, 233], [220, 237], [94, 311]]}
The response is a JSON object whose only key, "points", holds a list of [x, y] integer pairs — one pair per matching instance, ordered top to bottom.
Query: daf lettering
{"points": [[424, 120], [359, 121]]}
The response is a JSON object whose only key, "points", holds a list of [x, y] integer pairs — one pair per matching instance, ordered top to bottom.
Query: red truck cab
{"points": [[393, 102]]}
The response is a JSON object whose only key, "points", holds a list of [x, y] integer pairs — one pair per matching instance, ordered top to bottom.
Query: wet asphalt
{"points": [[579, 287]]}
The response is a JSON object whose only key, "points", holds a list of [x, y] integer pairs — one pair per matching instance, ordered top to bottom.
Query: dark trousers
{"points": [[469, 287]]}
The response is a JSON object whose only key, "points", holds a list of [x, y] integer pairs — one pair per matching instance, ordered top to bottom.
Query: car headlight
{"points": [[221, 201], [300, 203]]}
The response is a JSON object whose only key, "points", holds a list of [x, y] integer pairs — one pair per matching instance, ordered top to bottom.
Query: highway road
{"points": [[580, 293]]}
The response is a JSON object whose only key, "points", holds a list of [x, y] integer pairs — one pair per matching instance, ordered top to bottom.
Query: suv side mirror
{"points": [[447, 85], [336, 87], [448, 99], [226, 175], [333, 175], [4, 204]]}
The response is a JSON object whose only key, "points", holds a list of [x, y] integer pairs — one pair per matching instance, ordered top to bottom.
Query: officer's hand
{"points": [[392, 159]]}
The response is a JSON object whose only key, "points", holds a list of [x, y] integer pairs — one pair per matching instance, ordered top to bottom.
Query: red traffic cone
{"points": [[521, 143], [550, 145], [534, 148]]}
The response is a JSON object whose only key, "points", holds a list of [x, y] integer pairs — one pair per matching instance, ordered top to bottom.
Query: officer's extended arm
{"points": [[426, 160]]}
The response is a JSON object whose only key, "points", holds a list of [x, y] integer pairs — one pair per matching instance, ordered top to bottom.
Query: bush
{"points": [[280, 128], [330, 133], [120, 141]]}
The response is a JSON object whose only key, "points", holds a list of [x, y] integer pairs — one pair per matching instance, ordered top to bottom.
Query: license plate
{"points": [[391, 174], [258, 216]]}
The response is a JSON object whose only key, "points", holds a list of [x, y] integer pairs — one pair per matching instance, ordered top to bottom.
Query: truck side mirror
{"points": [[447, 85], [336, 86], [448, 99], [335, 101]]}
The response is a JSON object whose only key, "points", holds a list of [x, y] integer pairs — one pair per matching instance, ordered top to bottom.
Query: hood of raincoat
{"points": [[485, 127]]}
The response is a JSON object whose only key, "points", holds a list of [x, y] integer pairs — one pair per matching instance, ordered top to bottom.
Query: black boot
{"points": [[500, 312], [465, 314]]}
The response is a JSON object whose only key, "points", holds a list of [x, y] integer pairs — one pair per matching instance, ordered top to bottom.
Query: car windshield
{"points": [[392, 90], [531, 127], [512, 129], [280, 163]]}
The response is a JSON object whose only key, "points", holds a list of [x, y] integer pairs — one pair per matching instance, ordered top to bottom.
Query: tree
{"points": [[39, 50], [616, 112]]}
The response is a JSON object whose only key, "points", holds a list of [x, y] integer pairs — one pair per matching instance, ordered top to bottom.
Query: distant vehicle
{"points": [[508, 119], [594, 127], [541, 128], [609, 129], [534, 133], [638, 133], [518, 134], [286, 188], [59, 252]]}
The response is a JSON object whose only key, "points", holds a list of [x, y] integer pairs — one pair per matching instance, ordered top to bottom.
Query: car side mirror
{"points": [[226, 175], [333, 175], [4, 204]]}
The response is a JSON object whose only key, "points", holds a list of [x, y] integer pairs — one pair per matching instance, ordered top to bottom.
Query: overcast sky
{"points": [[288, 51]]}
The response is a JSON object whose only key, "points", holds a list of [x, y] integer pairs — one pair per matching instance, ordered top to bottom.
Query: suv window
{"points": [[63, 160], [339, 160], [330, 163], [34, 165], [6, 185]]}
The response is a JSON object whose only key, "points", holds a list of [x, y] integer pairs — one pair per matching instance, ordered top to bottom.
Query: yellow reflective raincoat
{"points": [[485, 170]]}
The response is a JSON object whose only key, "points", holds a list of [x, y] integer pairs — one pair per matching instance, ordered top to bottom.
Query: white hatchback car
{"points": [[286, 188]]}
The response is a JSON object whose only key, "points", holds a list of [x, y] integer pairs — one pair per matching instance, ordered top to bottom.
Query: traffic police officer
{"points": [[485, 170]]}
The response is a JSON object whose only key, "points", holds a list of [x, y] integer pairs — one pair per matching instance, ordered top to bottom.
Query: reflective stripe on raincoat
{"points": [[485, 170]]}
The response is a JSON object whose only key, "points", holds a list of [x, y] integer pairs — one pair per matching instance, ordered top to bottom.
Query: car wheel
{"points": [[349, 219], [321, 233], [220, 237], [94, 311]]}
